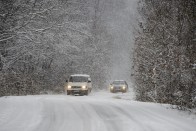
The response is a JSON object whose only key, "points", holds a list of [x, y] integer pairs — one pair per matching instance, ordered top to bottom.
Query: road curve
{"points": [[97, 112]]}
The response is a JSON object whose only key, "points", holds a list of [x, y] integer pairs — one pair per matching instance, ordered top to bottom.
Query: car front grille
{"points": [[76, 87], [117, 87]]}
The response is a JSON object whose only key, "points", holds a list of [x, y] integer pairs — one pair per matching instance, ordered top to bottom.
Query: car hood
{"points": [[77, 83], [118, 85]]}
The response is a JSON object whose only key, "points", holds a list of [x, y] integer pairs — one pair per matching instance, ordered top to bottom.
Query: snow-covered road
{"points": [[100, 111]]}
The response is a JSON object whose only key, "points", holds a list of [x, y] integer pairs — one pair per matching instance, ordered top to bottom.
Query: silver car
{"points": [[118, 86]]}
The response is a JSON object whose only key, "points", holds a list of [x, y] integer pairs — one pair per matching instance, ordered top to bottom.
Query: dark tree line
{"points": [[42, 42], [165, 52]]}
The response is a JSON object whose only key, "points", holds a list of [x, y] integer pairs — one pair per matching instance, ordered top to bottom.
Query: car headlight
{"points": [[69, 87], [83, 87], [111, 87], [123, 87]]}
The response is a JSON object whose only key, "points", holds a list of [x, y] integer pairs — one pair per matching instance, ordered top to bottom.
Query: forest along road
{"points": [[100, 111]]}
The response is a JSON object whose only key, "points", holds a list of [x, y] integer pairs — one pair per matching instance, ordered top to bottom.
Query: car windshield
{"points": [[78, 79], [118, 82]]}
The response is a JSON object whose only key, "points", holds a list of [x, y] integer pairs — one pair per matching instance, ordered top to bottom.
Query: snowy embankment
{"points": [[100, 111]]}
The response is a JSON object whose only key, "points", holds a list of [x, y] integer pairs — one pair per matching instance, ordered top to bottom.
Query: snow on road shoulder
{"points": [[17, 112], [189, 113]]}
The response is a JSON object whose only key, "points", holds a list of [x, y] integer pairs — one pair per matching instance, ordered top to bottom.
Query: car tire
{"points": [[124, 91], [87, 92]]}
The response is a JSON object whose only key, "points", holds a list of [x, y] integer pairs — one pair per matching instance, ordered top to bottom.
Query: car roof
{"points": [[84, 75]]}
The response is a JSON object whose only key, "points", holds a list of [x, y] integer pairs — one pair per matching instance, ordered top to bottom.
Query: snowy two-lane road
{"points": [[99, 111]]}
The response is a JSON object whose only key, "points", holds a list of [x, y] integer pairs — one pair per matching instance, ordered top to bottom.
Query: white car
{"points": [[78, 84], [118, 86]]}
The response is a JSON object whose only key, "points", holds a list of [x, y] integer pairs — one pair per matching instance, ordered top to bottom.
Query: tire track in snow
{"points": [[87, 113], [69, 116], [108, 116], [133, 119]]}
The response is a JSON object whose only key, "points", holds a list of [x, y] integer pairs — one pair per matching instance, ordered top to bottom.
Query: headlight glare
{"points": [[69, 87], [83, 87], [111, 87], [123, 87]]}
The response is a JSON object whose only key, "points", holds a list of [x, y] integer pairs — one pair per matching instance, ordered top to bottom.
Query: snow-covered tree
{"points": [[42, 42], [164, 52]]}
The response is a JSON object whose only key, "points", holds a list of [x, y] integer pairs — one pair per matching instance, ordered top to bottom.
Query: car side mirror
{"points": [[89, 81]]}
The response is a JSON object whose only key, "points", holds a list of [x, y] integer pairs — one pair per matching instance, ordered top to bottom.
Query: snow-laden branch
{"points": [[43, 11], [8, 38]]}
